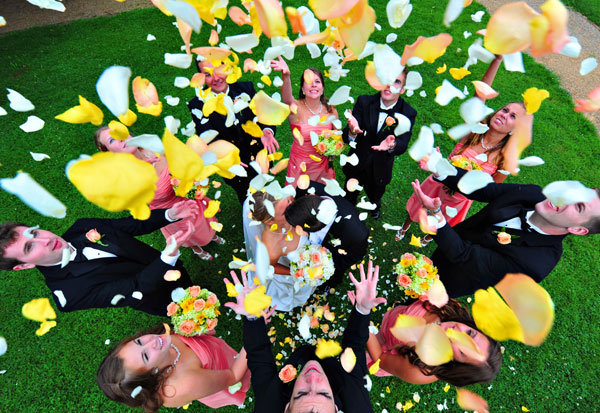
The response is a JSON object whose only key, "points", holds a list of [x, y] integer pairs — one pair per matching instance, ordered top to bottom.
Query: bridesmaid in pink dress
{"points": [[311, 102], [486, 149], [165, 197], [399, 359], [172, 371]]}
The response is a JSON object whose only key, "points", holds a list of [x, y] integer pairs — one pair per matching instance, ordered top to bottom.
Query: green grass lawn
{"points": [[589, 8], [53, 65]]}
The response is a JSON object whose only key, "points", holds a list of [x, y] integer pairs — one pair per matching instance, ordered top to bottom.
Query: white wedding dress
{"points": [[281, 287]]}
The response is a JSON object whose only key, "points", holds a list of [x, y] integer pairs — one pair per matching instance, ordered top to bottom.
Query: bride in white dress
{"points": [[279, 244]]}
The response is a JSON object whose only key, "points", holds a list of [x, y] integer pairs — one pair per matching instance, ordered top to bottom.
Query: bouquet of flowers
{"points": [[330, 143], [465, 163], [197, 191], [313, 265], [416, 274], [195, 312]]}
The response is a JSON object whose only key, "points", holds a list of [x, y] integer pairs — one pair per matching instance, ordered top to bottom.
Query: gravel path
{"points": [[20, 15]]}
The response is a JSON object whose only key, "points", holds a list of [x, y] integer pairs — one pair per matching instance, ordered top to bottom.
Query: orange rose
{"points": [[389, 121], [327, 133], [339, 145], [321, 147], [175, 182], [93, 235], [504, 238], [407, 256], [315, 257], [427, 260], [422, 272], [299, 273], [404, 280], [194, 290], [211, 300], [199, 305], [172, 309], [314, 322], [211, 324], [187, 327], [287, 373]]}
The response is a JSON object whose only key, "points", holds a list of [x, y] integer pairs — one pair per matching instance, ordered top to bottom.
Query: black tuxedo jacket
{"points": [[248, 145], [376, 163], [351, 231], [469, 256], [136, 267], [271, 394]]}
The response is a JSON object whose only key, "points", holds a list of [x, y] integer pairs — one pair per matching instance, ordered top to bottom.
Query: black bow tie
{"points": [[389, 112], [524, 224]]}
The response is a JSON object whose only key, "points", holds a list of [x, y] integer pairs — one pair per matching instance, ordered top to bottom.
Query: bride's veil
{"points": [[250, 232]]}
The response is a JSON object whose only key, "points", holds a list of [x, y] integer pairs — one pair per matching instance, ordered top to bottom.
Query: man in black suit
{"points": [[371, 131], [247, 144], [344, 234], [472, 255], [116, 271], [322, 385]]}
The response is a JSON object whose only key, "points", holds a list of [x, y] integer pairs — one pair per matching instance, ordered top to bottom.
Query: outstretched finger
{"points": [[362, 272], [376, 274], [234, 277], [244, 279], [353, 279], [351, 297]]}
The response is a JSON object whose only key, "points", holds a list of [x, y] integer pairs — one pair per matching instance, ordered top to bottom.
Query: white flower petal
{"points": [[48, 4], [453, 10], [184, 11], [397, 12], [476, 17], [311, 23], [467, 34], [150, 37], [390, 38], [242, 42], [571, 49], [314, 50], [368, 50], [478, 52], [180, 60], [414, 61], [513, 62], [387, 64], [587, 65], [414, 80], [277, 81], [181, 82], [113, 89], [448, 92], [423, 94], [340, 96], [171, 100], [18, 102], [473, 110], [2, 111], [313, 120], [337, 123], [33, 124], [172, 124], [403, 124], [436, 128], [479, 128], [208, 135], [147, 141], [423, 145], [39, 156], [482, 157], [209, 158], [352, 159], [531, 161], [445, 169], [238, 170], [474, 180], [258, 183], [332, 187], [568, 192], [34, 195], [364, 204], [327, 211], [451, 212], [363, 216], [392, 227], [261, 260], [177, 294], [137, 295], [116, 299], [304, 327], [3, 346], [368, 383], [136, 391]]}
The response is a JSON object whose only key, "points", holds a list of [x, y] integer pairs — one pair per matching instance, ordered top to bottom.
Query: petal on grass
{"points": [[508, 29], [427, 48], [458, 73], [113, 89], [447, 92], [18, 102], [85, 112], [33, 124], [39, 156], [562, 193], [34, 195], [39, 310], [45, 327], [3, 346], [434, 348]]}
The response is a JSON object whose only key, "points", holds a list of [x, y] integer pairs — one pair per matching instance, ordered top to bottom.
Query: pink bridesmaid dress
{"points": [[301, 153], [165, 197], [456, 200], [215, 354]]}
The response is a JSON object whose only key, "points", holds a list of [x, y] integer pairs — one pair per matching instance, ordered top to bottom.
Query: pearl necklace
{"points": [[311, 111], [488, 148], [176, 358]]}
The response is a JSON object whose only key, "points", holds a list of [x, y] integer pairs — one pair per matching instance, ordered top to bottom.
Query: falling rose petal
{"points": [[329, 9], [453, 10], [185, 12], [397, 12], [238, 16], [271, 17], [476, 17], [362, 24], [508, 29], [555, 36], [150, 37], [242, 42], [572, 48], [428, 49], [212, 53], [479, 53], [180, 60], [514, 62], [387, 64], [587, 65], [458, 74], [372, 78], [414, 80], [181, 82], [113, 89], [483, 90], [448, 92], [340, 96], [533, 98], [18, 102], [589, 104], [268, 110], [474, 110], [85, 112], [129, 118], [33, 124], [117, 130], [459, 131], [520, 139], [147, 141], [423, 145], [352, 159], [531, 161], [185, 164], [279, 166], [474, 180], [303, 181], [115, 182], [353, 185], [333, 188], [561, 193], [34, 195], [326, 211], [451, 212], [427, 223], [262, 261], [172, 275], [178, 294], [437, 294], [137, 295], [257, 301], [38, 309], [494, 317], [45, 327], [304, 327], [408, 329], [465, 344], [3, 346], [327, 348], [434, 348], [348, 359], [374, 367], [135, 392], [468, 400]]}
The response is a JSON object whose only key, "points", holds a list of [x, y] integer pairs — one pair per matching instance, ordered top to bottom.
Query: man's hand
{"points": [[280, 66], [353, 127], [269, 141], [387, 144], [431, 204], [183, 210], [175, 240], [243, 289], [365, 296]]}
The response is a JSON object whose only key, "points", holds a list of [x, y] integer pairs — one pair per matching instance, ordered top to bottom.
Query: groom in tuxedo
{"points": [[370, 133], [247, 144], [474, 255], [115, 270]]}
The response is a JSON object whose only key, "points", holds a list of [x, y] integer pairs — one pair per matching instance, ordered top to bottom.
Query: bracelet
{"points": [[430, 212]]}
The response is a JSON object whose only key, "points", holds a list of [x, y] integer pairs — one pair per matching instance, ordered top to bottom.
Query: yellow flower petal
{"points": [[328, 9], [271, 17], [356, 26], [508, 30], [549, 32], [427, 48], [212, 53], [441, 69], [459, 73], [266, 80], [144, 92], [533, 98], [154, 110], [268, 110], [85, 112], [128, 118], [252, 129], [118, 130], [227, 155], [275, 156], [315, 158], [263, 160], [184, 163], [116, 182], [213, 208], [217, 226], [273, 227], [415, 241], [231, 291], [256, 301], [38, 309], [494, 318], [45, 327], [408, 329], [466, 344], [327, 348], [434, 348], [348, 359], [374, 367], [470, 401]]}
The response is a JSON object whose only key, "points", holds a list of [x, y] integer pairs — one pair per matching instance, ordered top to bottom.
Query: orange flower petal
{"points": [[329, 9], [557, 15], [238, 16], [271, 17], [296, 21], [356, 30], [508, 30], [185, 31], [214, 37], [318, 38], [427, 48], [212, 53], [249, 65], [372, 77], [197, 80], [483, 90], [144, 92], [589, 104], [298, 136], [520, 139], [263, 160], [280, 166], [303, 181], [437, 294], [408, 329], [465, 344], [434, 347], [470, 401]]}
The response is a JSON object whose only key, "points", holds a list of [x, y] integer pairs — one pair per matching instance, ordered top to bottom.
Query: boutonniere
{"points": [[389, 122], [94, 236], [504, 237], [288, 373]]}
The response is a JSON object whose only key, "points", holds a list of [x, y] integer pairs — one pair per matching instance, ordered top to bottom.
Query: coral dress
{"points": [[301, 153], [165, 197], [456, 200], [387, 340], [215, 354]]}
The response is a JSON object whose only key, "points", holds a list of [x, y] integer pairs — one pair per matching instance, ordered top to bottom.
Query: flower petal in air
{"points": [[48, 4], [329, 9], [453, 10], [185, 12], [397, 12], [238, 16], [271, 17], [296, 20], [508, 29], [356, 34], [556, 37], [242, 42], [427, 48], [572, 48], [212, 53], [180, 60], [513, 62], [387, 64], [586, 67], [458, 73], [372, 78], [414, 80], [113, 89], [483, 90], [447, 92], [340, 96], [533, 98], [18, 102], [589, 104], [268, 110], [474, 110], [85, 112], [129, 118], [33, 124], [252, 129], [117, 130], [520, 139], [147, 141], [423, 145], [39, 156], [531, 161], [184, 163], [279, 166], [474, 180], [115, 182], [333, 188], [561, 193], [34, 195], [427, 223], [437, 294], [257, 301], [531, 304], [38, 309], [494, 317], [304, 327], [408, 329], [465, 344], [3, 346], [327, 348], [434, 348], [348, 359], [468, 400]]}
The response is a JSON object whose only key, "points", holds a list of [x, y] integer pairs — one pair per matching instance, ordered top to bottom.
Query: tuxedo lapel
{"points": [[373, 118]]}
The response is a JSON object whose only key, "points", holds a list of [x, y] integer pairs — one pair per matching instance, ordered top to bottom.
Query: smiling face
{"points": [[214, 78], [315, 89], [389, 96], [503, 121], [114, 145], [280, 208], [572, 218], [43, 248], [481, 340], [147, 352], [312, 391]]}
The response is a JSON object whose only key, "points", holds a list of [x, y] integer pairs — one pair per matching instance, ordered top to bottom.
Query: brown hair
{"points": [[323, 99], [474, 139], [97, 140], [259, 210], [303, 212], [593, 225], [8, 235], [454, 372], [117, 383]]}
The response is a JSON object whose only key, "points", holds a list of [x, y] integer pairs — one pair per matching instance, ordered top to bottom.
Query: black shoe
{"points": [[376, 214]]}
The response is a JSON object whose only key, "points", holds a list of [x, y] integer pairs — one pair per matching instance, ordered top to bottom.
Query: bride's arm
{"points": [[275, 252]]}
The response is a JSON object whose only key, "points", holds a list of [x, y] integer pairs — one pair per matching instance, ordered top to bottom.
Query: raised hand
{"points": [[280, 66], [353, 126], [269, 141], [387, 144], [428, 202], [183, 210], [178, 238], [242, 288], [365, 296]]}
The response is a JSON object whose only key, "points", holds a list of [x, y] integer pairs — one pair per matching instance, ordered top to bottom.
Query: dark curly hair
{"points": [[323, 99], [303, 212], [8, 235]]}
